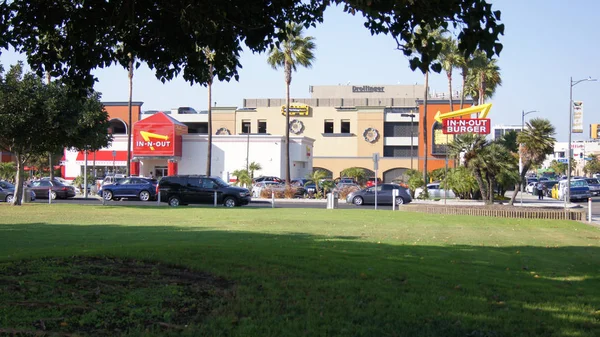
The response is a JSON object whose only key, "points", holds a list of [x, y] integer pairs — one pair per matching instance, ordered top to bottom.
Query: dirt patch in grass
{"points": [[104, 296]]}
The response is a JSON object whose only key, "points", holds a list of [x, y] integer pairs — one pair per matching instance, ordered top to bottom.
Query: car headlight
{"points": [[242, 194]]}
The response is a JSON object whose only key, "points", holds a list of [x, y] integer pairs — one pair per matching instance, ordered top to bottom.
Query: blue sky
{"points": [[545, 43]]}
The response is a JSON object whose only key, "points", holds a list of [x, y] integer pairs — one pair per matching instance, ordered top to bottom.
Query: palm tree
{"points": [[295, 49], [210, 57], [450, 59], [464, 63], [483, 78], [538, 142], [472, 148], [497, 160], [254, 166], [8, 171], [356, 173], [316, 177], [243, 178]]}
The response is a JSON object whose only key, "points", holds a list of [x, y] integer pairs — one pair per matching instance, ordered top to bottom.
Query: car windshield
{"points": [[593, 181], [220, 182], [579, 183], [6, 184]]}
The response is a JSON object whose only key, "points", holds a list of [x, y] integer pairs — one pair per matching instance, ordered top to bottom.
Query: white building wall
{"points": [[74, 169]]}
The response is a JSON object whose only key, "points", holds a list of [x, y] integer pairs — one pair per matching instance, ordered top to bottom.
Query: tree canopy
{"points": [[70, 38]]}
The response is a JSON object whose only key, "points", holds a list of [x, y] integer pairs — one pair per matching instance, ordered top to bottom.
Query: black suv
{"points": [[197, 189]]}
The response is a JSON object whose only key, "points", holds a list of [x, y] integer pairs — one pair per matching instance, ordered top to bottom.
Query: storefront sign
{"points": [[367, 88], [297, 109], [577, 117], [453, 126], [154, 140]]}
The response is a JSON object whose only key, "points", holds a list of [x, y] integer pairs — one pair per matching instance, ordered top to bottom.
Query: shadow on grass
{"points": [[301, 284]]}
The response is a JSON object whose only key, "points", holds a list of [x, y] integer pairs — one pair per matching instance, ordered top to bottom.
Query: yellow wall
{"points": [[224, 118], [369, 118], [337, 165]]}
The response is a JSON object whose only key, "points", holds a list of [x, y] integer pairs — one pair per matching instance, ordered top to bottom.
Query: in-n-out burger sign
{"points": [[367, 88], [453, 126]]}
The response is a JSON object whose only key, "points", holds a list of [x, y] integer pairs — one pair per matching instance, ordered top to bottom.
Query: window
{"points": [[262, 126], [328, 126], [345, 126], [246, 127], [399, 129], [400, 151], [195, 182], [209, 184]]}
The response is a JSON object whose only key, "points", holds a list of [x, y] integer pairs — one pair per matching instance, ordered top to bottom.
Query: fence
{"points": [[509, 212]]}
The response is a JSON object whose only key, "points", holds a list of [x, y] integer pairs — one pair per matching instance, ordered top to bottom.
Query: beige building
{"points": [[348, 123]]}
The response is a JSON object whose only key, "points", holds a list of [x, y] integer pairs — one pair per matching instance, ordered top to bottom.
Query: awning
{"points": [[103, 158]]}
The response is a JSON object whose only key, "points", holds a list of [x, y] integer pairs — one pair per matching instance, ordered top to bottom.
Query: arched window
{"points": [[118, 126]]}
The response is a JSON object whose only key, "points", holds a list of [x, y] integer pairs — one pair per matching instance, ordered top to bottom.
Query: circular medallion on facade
{"points": [[296, 126], [223, 131], [371, 135]]}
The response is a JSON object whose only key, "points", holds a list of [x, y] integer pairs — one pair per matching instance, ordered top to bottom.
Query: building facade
{"points": [[498, 131]]}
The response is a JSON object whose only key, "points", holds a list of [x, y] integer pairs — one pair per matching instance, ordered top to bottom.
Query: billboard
{"points": [[577, 117], [453, 126], [594, 131], [154, 140]]}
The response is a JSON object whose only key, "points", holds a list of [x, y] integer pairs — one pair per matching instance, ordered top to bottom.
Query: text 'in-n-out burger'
{"points": [[454, 126]]}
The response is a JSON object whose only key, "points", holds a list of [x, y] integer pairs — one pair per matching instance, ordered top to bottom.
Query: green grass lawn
{"points": [[94, 270]]}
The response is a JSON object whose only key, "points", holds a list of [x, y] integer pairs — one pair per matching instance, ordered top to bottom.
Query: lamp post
{"points": [[523, 114], [412, 116], [569, 150]]}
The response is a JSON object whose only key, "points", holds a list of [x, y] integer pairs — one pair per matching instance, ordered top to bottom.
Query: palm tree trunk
{"points": [[449, 75], [288, 81], [464, 83], [481, 89], [129, 126], [425, 148], [209, 150], [524, 170], [481, 182], [490, 200]]}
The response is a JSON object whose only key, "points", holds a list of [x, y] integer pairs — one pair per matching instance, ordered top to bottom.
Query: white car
{"points": [[258, 187], [529, 188], [435, 192]]}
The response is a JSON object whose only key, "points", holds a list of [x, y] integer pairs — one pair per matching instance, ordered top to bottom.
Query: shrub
{"points": [[290, 192], [266, 193], [343, 193]]}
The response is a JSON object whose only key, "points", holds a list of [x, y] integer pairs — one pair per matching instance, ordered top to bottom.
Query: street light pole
{"points": [[523, 114], [567, 194]]}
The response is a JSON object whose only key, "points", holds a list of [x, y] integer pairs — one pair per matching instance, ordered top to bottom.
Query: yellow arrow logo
{"points": [[484, 109], [147, 135]]}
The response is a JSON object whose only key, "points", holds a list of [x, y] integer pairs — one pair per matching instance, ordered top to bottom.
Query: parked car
{"points": [[266, 178], [111, 179], [345, 180], [300, 182], [371, 182], [548, 184], [594, 185], [530, 187], [139, 188], [57, 189], [199, 189], [579, 190], [7, 192], [435, 192], [384, 195]]}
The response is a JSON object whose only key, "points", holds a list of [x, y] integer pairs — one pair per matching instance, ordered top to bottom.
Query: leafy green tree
{"points": [[83, 28], [293, 50], [36, 119], [509, 141], [538, 142], [496, 160], [593, 165], [559, 168], [8, 171], [356, 173], [438, 174], [414, 181]]}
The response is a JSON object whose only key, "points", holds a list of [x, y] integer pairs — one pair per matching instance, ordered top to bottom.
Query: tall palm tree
{"points": [[295, 49], [210, 57], [450, 58], [464, 63], [483, 78], [538, 142], [496, 160]]}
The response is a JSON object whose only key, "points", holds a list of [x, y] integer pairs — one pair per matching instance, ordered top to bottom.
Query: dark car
{"points": [[266, 178], [594, 186], [134, 187], [57, 189], [198, 189], [7, 192], [384, 195]]}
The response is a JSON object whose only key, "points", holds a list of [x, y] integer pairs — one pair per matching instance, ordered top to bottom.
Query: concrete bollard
{"points": [[49, 196], [215, 198], [158, 199], [272, 199], [589, 209]]}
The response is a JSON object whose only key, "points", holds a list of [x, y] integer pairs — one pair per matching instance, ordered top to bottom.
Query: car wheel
{"points": [[53, 195], [107, 195], [144, 196], [10, 198], [174, 201], [358, 201], [399, 201], [229, 202]]}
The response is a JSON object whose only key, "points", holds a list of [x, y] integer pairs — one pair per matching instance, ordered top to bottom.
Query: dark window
{"points": [[405, 110], [262, 126], [328, 126], [345, 126], [246, 128], [399, 129], [498, 133], [400, 151], [195, 182], [207, 183], [387, 187]]}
